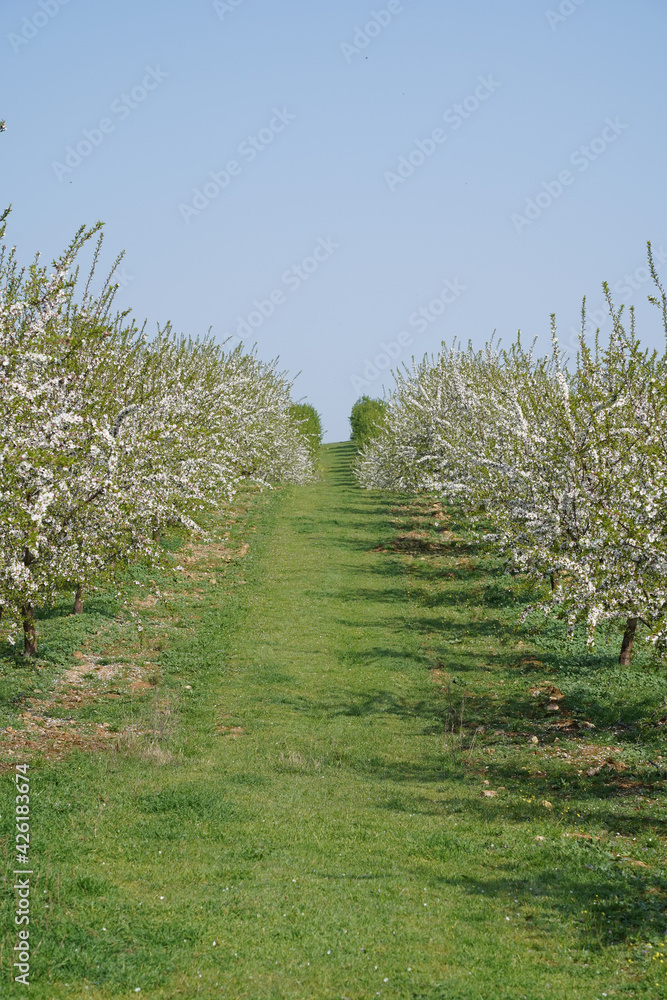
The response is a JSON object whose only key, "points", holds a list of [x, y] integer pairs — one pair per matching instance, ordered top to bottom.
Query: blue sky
{"points": [[346, 184]]}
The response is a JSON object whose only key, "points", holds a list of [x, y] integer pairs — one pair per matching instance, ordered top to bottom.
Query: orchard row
{"points": [[107, 436], [566, 461]]}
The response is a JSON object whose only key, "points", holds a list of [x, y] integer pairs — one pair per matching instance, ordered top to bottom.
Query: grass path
{"points": [[315, 839]]}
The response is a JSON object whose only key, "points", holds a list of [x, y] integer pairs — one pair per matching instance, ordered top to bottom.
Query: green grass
{"points": [[333, 839]]}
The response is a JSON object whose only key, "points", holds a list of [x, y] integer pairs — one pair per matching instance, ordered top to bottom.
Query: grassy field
{"points": [[330, 765]]}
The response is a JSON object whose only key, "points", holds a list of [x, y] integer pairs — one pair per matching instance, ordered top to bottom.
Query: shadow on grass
{"points": [[339, 464], [100, 606], [61, 632], [594, 687], [585, 889]]}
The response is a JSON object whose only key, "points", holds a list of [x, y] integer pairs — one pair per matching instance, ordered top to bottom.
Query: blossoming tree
{"points": [[107, 436], [568, 462]]}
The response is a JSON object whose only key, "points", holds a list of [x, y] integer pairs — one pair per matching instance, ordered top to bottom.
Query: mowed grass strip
{"points": [[323, 826]]}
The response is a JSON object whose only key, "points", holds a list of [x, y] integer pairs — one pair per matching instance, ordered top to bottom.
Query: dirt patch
{"points": [[208, 552], [146, 602], [140, 687], [549, 697], [51, 738]]}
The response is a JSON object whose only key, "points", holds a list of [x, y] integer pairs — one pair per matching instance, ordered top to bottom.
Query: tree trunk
{"points": [[78, 600], [29, 631], [628, 639]]}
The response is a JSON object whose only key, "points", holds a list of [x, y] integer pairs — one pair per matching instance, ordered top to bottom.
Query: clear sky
{"points": [[344, 181]]}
